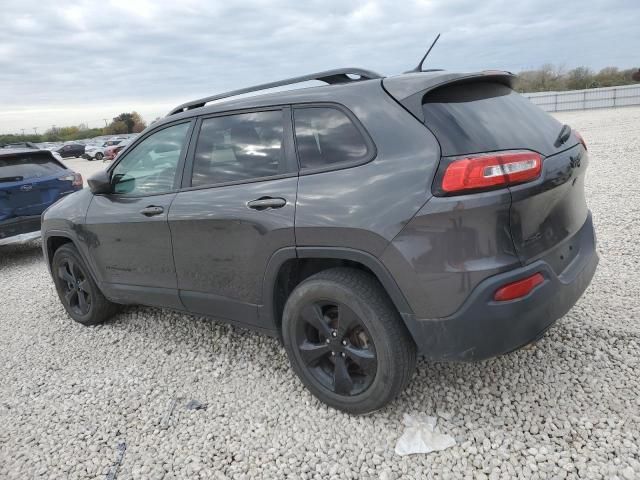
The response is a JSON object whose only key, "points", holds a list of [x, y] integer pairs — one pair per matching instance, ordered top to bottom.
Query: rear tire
{"points": [[99, 156], [79, 294], [346, 341]]}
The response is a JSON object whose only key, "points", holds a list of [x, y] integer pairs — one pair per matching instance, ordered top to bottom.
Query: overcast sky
{"points": [[70, 62]]}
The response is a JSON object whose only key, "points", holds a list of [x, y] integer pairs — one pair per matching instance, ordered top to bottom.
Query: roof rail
{"points": [[339, 75]]}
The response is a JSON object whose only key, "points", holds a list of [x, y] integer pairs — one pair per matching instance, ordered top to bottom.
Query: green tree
{"points": [[127, 123], [117, 127]]}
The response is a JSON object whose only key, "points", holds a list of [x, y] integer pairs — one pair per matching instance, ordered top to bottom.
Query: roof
{"points": [[330, 77], [401, 87], [294, 95], [13, 151], [17, 151]]}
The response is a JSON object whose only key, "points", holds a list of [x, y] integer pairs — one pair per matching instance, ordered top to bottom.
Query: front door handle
{"points": [[267, 202], [151, 211]]}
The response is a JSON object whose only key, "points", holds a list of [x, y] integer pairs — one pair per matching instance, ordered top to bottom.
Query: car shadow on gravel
{"points": [[20, 253], [552, 378], [540, 379]]}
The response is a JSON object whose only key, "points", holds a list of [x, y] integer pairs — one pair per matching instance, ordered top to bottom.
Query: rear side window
{"points": [[483, 116], [326, 137], [239, 147], [15, 169]]}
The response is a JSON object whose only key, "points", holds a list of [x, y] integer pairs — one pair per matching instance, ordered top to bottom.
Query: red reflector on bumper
{"points": [[518, 289]]}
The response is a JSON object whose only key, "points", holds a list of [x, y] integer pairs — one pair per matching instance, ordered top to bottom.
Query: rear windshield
{"points": [[483, 116], [15, 169]]}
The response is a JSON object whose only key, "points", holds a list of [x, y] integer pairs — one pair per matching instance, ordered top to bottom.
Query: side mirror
{"points": [[100, 182]]}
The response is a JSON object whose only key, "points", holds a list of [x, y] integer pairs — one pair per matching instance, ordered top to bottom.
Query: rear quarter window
{"points": [[484, 116], [326, 137], [16, 168]]}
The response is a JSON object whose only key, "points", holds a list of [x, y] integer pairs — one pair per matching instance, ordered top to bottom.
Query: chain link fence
{"points": [[586, 99]]}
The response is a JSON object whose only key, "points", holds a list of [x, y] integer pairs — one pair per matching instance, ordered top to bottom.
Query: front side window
{"points": [[326, 136], [239, 147], [150, 167]]}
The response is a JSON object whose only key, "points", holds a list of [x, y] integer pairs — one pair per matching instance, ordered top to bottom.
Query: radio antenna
{"points": [[419, 67]]}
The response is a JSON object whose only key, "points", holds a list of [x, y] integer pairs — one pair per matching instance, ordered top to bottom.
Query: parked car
{"points": [[119, 148], [72, 150], [97, 152], [112, 152], [30, 181], [365, 222]]}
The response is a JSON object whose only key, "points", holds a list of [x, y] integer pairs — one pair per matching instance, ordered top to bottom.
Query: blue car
{"points": [[30, 181]]}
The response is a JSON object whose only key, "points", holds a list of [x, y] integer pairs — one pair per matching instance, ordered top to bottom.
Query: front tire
{"points": [[99, 156], [79, 294], [346, 341]]}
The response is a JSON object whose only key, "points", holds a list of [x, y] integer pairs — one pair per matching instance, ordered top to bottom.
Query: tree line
{"points": [[555, 78], [124, 123]]}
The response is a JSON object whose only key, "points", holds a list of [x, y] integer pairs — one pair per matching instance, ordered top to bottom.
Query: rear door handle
{"points": [[267, 202], [151, 211]]}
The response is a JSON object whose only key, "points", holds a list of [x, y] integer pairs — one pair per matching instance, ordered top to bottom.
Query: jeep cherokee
{"points": [[365, 222]]}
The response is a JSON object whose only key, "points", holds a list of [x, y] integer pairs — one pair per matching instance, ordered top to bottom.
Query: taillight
{"points": [[580, 139], [490, 170], [74, 178], [77, 180], [518, 289]]}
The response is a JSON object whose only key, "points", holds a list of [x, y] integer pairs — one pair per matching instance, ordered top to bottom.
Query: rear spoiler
{"points": [[410, 89], [9, 154]]}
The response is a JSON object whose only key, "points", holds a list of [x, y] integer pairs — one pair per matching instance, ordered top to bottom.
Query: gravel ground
{"points": [[72, 397]]}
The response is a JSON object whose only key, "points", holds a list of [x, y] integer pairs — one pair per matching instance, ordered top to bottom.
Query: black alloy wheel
{"points": [[75, 285], [78, 292], [346, 341], [336, 347]]}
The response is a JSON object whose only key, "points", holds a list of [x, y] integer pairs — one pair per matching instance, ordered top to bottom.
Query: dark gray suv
{"points": [[365, 222]]}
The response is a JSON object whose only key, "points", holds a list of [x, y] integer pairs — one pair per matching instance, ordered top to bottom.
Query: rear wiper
{"points": [[563, 136]]}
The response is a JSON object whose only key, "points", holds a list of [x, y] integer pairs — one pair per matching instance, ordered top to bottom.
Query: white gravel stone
{"points": [[568, 407]]}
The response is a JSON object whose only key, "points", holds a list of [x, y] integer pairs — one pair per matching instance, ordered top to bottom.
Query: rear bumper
{"points": [[20, 229], [483, 328]]}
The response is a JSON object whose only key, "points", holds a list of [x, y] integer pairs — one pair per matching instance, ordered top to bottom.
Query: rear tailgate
{"points": [[478, 114], [547, 213]]}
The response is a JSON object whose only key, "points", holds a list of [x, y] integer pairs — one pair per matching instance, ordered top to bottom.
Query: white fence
{"points": [[586, 99]]}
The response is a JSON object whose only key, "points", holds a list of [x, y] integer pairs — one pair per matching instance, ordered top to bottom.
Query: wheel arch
{"points": [[54, 239], [289, 266]]}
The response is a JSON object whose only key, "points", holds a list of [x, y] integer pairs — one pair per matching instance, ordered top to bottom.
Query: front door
{"points": [[237, 210], [127, 230]]}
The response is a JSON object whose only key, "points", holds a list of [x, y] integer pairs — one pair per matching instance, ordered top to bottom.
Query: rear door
{"points": [[478, 117], [236, 209], [127, 230]]}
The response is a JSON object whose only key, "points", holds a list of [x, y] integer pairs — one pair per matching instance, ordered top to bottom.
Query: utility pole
{"points": [[105, 122], [35, 129], [22, 131]]}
